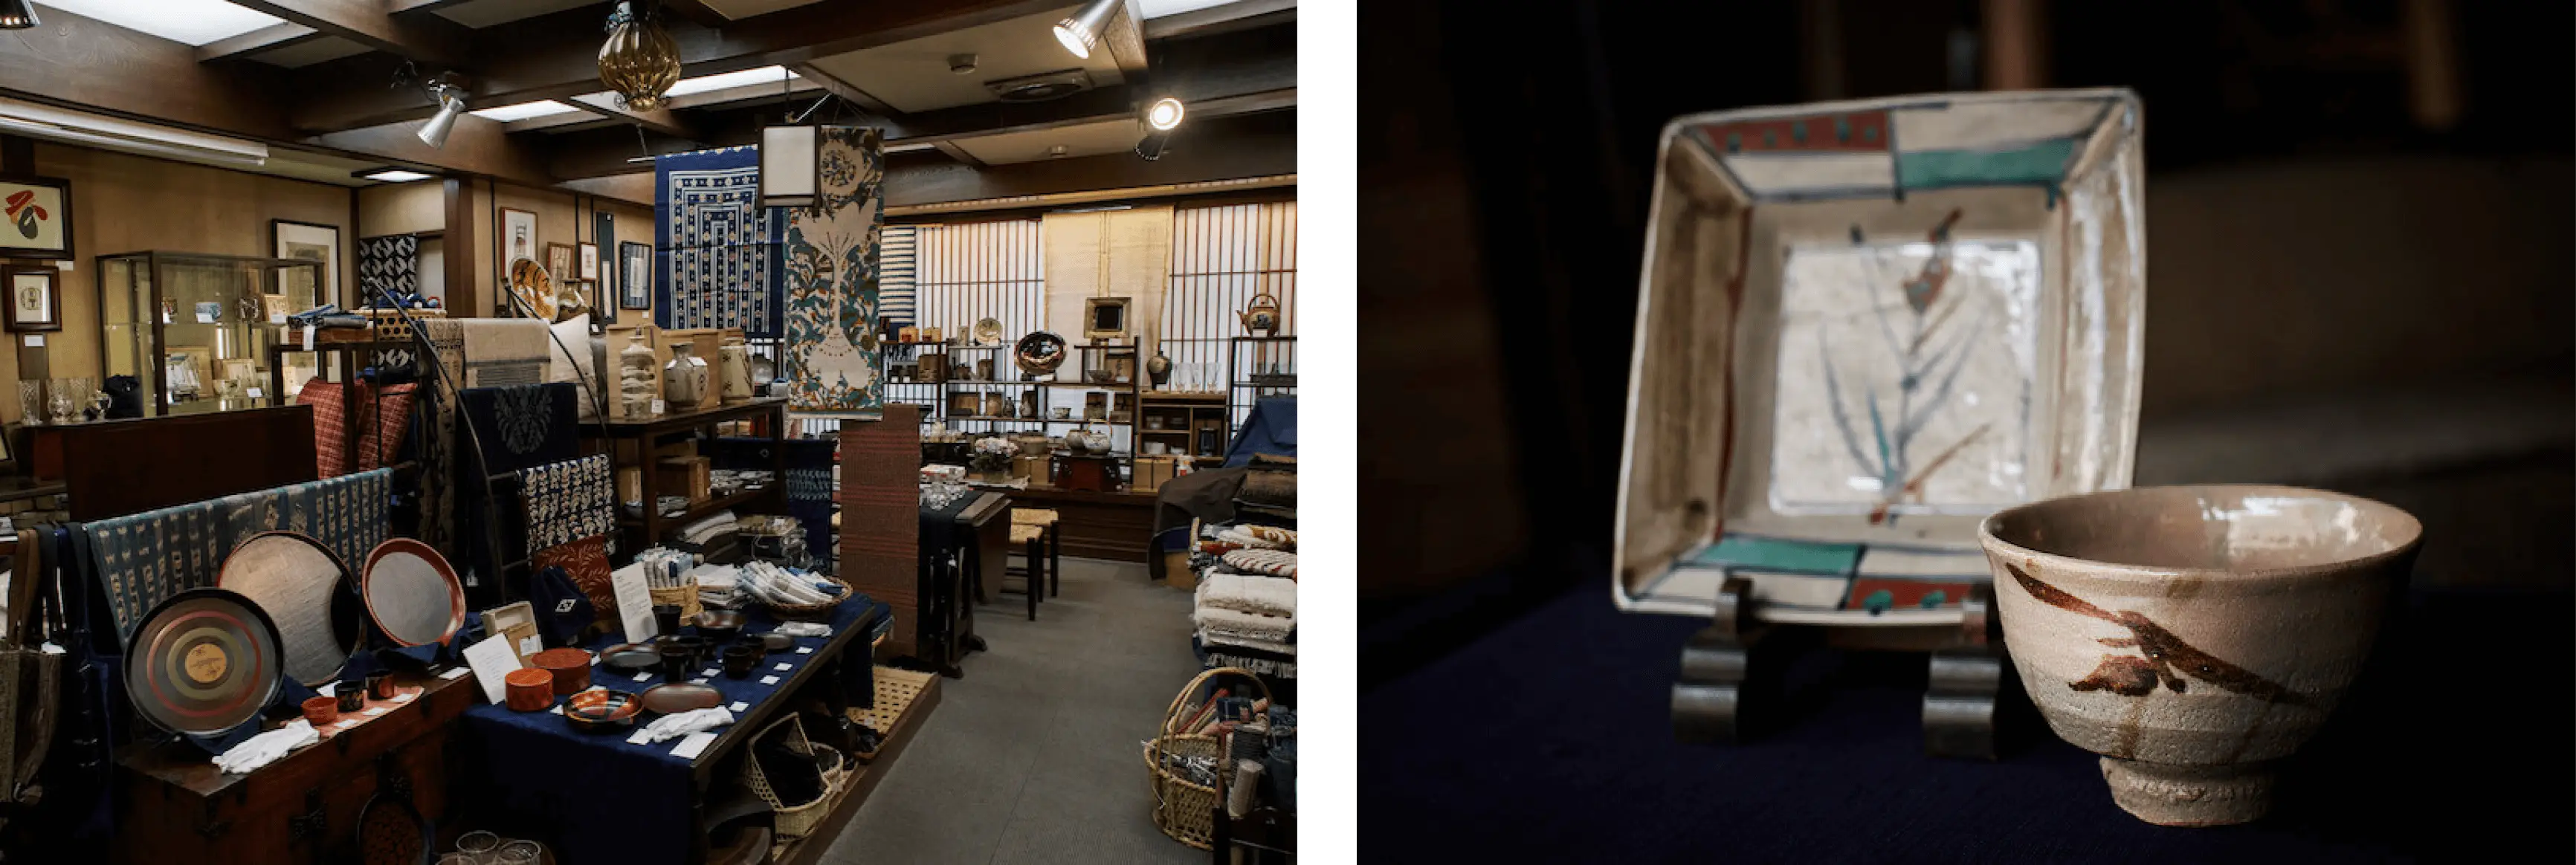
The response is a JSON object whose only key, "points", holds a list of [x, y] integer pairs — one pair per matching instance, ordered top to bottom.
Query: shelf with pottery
{"points": [[696, 394]]}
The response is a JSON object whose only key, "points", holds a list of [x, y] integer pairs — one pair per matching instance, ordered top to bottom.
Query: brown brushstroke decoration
{"points": [[2167, 659]]}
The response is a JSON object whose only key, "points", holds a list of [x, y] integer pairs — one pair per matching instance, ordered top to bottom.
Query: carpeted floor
{"points": [[1034, 755]]}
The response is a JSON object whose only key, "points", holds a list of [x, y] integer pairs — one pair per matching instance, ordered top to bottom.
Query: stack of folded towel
{"points": [[1252, 611]]}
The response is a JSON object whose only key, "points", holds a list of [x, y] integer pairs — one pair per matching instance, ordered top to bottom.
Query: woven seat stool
{"points": [[1033, 532]]}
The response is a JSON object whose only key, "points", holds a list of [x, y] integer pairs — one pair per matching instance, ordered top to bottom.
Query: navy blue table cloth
{"points": [[1549, 739], [597, 797]]}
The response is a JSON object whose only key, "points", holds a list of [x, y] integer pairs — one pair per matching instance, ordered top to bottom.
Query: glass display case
{"points": [[194, 329]]}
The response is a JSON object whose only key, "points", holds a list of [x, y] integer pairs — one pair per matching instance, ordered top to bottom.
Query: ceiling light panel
{"points": [[1159, 8], [195, 22], [744, 78], [523, 111]]}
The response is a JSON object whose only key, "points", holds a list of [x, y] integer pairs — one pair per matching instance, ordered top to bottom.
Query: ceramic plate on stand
{"points": [[1864, 326], [988, 331], [307, 591], [412, 593], [204, 662]]}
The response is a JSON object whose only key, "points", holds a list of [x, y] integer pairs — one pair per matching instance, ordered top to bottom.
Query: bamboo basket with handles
{"points": [[1185, 809], [795, 820]]}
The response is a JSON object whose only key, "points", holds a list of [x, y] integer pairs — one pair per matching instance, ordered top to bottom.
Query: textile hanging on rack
{"points": [[718, 256], [387, 266], [832, 282], [504, 351], [383, 417], [523, 426], [438, 456], [568, 501], [143, 559], [587, 561]]}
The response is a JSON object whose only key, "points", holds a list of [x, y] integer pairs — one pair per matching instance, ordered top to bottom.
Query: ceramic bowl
{"points": [[720, 626], [2193, 635], [569, 666], [529, 689], [601, 710], [321, 711]]}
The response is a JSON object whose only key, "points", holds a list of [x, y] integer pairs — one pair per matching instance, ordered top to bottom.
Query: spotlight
{"points": [[17, 15], [1081, 32], [962, 64], [451, 102], [1159, 119]]}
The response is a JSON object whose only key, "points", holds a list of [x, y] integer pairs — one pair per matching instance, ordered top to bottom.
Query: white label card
{"points": [[35, 340], [258, 393], [657, 406], [634, 603], [531, 645], [804, 650], [491, 660], [786, 667], [455, 673], [644, 677], [769, 680], [740, 706], [379, 710], [640, 737], [693, 744]]}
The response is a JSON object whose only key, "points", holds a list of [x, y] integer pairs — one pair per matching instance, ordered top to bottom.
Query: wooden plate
{"points": [[677, 697]]}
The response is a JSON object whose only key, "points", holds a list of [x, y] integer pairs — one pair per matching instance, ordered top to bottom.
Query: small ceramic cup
{"points": [[667, 618], [2194, 635], [740, 659], [380, 686], [352, 694], [321, 711]]}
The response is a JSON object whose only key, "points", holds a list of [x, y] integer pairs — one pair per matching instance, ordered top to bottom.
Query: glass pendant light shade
{"points": [[17, 15], [639, 61]]}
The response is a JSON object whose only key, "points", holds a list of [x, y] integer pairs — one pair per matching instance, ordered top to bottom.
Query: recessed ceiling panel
{"points": [[741, 9], [485, 13], [195, 22], [310, 52], [914, 76], [1089, 139]]}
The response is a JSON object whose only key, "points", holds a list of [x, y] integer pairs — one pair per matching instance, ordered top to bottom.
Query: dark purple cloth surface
{"points": [[1549, 739], [597, 798]]}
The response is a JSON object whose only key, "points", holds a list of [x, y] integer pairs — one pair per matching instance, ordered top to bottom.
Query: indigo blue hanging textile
{"points": [[718, 254], [522, 426]]}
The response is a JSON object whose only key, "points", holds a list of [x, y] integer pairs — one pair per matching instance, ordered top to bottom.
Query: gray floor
{"points": [[1035, 756]]}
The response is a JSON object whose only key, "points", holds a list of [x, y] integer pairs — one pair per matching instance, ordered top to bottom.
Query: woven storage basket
{"points": [[685, 596], [812, 612], [1185, 809], [794, 820]]}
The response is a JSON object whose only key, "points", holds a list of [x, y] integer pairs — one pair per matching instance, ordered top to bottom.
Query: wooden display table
{"points": [[1118, 526], [646, 530], [302, 808]]}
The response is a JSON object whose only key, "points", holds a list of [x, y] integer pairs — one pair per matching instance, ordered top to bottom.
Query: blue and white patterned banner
{"points": [[719, 250], [832, 282]]}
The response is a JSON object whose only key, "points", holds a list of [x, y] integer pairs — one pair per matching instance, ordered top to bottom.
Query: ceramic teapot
{"points": [[1261, 316], [1089, 439]]}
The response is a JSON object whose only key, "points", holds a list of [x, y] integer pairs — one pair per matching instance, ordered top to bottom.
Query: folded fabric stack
{"points": [[1258, 537], [1276, 563], [718, 585], [1260, 596], [1218, 624]]}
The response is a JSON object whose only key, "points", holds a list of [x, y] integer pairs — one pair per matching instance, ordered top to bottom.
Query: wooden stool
{"points": [[1054, 543], [1033, 582]]}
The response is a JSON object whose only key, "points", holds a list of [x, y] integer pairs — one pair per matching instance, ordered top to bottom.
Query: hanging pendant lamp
{"points": [[639, 61]]}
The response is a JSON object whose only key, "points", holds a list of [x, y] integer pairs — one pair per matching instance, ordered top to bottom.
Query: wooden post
{"points": [[2016, 45], [2432, 64], [457, 248]]}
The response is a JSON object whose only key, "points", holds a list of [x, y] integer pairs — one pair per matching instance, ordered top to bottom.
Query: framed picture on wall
{"points": [[38, 217], [518, 236], [310, 241], [589, 254], [559, 262], [635, 276], [604, 282], [35, 298]]}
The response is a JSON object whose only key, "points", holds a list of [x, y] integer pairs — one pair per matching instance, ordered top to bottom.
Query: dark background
{"points": [[2360, 278]]}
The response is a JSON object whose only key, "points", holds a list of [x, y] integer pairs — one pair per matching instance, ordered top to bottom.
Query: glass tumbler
{"points": [[481, 848]]}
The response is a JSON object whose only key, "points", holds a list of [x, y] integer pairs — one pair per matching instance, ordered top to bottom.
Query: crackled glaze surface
{"points": [[2192, 634]]}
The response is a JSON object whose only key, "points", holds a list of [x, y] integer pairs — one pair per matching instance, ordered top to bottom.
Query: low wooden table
{"points": [[1118, 526]]}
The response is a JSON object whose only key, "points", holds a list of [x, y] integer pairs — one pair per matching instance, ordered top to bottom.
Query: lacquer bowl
{"points": [[2194, 635]]}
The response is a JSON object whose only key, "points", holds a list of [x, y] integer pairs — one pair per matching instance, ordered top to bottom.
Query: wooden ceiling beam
{"points": [[407, 7], [1226, 18], [273, 36], [428, 39], [557, 56], [82, 63], [1243, 74], [848, 92], [660, 120], [476, 146], [1257, 146]]}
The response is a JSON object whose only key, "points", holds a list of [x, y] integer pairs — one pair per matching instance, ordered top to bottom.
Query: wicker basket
{"points": [[685, 596], [812, 612], [1186, 809], [795, 821]]}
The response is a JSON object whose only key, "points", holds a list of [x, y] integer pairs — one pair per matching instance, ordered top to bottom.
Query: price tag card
{"points": [[804, 650], [786, 667], [708, 673], [450, 675], [644, 677], [769, 680], [740, 706], [379, 710], [640, 737], [693, 744]]}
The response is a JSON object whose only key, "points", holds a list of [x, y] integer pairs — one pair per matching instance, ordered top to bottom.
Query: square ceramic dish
{"points": [[1864, 326]]}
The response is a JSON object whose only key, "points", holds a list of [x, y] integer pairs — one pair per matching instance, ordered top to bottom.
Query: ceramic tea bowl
{"points": [[2193, 635]]}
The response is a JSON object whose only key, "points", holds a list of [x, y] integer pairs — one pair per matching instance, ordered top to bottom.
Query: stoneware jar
{"points": [[734, 359], [635, 377], [684, 378], [2194, 635]]}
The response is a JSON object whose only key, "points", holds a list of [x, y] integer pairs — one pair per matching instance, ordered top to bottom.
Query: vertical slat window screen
{"points": [[1221, 257], [968, 271]]}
